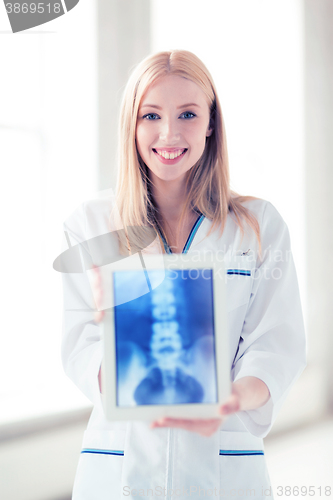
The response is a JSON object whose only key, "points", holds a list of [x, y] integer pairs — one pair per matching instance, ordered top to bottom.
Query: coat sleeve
{"points": [[272, 345], [81, 347]]}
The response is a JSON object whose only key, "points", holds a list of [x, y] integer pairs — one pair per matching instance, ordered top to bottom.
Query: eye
{"points": [[187, 115], [151, 116]]}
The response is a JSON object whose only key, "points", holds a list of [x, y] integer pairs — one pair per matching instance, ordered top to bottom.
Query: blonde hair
{"points": [[208, 190]]}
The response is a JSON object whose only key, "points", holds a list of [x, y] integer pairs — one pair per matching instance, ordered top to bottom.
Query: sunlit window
{"points": [[254, 51], [48, 135]]}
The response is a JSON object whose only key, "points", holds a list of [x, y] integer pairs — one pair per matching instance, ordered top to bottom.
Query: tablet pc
{"points": [[166, 351]]}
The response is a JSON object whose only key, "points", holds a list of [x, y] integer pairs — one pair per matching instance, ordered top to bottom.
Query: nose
{"points": [[169, 131]]}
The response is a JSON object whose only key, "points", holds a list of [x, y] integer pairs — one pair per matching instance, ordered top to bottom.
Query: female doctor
{"points": [[173, 176]]}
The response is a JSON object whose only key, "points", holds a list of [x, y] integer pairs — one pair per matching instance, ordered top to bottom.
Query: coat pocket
{"points": [[239, 280], [100, 465], [243, 471]]}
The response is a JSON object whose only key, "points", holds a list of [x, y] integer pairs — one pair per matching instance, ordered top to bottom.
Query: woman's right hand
{"points": [[97, 294], [98, 315], [100, 380]]}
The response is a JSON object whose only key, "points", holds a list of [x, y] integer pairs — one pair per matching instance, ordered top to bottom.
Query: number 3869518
{"points": [[33, 8]]}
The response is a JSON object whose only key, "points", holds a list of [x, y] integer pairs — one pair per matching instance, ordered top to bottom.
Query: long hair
{"points": [[207, 182]]}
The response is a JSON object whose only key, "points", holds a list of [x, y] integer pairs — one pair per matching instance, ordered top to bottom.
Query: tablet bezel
{"points": [[186, 410]]}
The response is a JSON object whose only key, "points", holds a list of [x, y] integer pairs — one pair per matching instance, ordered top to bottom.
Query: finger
{"points": [[96, 276], [97, 279], [97, 288], [98, 295], [98, 316], [232, 405], [188, 421], [161, 422], [156, 423], [205, 427]]}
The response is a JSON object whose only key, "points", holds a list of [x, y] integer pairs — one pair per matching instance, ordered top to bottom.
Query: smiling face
{"points": [[172, 126]]}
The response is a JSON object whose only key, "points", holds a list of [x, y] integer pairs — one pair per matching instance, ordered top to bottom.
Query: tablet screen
{"points": [[165, 339]]}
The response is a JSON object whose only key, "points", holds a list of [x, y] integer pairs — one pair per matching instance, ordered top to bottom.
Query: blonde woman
{"points": [[173, 177]]}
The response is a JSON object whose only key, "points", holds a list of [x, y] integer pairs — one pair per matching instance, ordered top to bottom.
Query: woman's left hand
{"points": [[247, 393], [205, 427]]}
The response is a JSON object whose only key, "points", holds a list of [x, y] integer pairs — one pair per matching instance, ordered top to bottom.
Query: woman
{"points": [[173, 176]]}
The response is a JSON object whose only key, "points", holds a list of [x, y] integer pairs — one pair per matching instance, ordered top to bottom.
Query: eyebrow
{"points": [[190, 104]]}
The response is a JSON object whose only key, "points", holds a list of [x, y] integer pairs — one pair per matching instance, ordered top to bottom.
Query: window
{"points": [[254, 51], [48, 135]]}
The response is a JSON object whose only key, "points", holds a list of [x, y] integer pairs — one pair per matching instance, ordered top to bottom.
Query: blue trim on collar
{"points": [[193, 233], [189, 239]]}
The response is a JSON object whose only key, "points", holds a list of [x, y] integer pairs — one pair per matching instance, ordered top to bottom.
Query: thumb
{"points": [[230, 406]]}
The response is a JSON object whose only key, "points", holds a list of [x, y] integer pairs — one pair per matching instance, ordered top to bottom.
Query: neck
{"points": [[169, 197]]}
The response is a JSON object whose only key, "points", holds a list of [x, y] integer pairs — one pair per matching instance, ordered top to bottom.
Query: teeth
{"points": [[170, 156]]}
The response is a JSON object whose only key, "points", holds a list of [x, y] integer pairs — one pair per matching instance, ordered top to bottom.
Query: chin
{"points": [[169, 175]]}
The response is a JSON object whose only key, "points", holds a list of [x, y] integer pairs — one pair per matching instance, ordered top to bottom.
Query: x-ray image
{"points": [[165, 345]]}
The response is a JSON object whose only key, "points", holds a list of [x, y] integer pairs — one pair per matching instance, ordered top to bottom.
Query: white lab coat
{"points": [[267, 340]]}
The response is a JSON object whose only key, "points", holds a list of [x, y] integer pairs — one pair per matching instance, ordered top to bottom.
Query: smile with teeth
{"points": [[170, 155]]}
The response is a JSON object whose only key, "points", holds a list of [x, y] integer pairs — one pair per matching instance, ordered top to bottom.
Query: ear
{"points": [[210, 127], [209, 131]]}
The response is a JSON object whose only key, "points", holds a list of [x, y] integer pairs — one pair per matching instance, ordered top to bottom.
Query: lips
{"points": [[170, 154]]}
